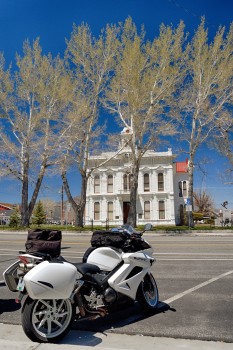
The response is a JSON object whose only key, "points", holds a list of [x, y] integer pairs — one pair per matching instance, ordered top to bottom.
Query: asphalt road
{"points": [[195, 280]]}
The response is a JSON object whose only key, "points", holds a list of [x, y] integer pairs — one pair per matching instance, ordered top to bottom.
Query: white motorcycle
{"points": [[116, 268]]}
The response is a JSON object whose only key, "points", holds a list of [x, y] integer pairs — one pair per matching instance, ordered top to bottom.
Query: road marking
{"points": [[64, 243], [10, 250], [193, 253], [199, 259], [188, 291]]}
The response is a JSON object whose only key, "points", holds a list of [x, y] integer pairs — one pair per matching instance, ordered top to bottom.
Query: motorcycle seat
{"points": [[84, 268]]}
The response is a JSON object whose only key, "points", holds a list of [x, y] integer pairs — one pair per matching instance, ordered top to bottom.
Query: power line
{"points": [[177, 4]]}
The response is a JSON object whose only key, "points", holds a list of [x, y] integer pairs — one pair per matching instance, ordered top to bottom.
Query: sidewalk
{"points": [[13, 337]]}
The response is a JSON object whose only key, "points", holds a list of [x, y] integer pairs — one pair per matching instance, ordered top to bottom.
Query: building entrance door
{"points": [[126, 206]]}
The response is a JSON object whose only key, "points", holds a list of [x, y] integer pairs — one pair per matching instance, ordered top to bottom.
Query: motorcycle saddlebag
{"points": [[108, 239], [44, 241]]}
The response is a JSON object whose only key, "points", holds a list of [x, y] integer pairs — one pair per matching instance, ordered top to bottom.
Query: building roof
{"points": [[182, 167], [5, 206]]}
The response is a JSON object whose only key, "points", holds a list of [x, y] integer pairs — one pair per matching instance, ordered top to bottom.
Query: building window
{"points": [[127, 181], [160, 182], [146, 183], [97, 184], [110, 184], [180, 189], [184, 189], [110, 210], [147, 210], [161, 210], [96, 211]]}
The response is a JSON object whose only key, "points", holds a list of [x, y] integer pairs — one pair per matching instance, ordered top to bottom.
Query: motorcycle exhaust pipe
{"points": [[80, 304]]}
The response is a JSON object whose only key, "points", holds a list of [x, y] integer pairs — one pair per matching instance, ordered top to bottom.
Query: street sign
{"points": [[188, 207]]}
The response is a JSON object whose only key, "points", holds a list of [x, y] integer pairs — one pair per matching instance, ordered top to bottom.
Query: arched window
{"points": [[160, 182], [146, 183], [97, 184], [110, 184], [180, 189], [110, 210], [147, 210], [161, 210], [96, 211]]}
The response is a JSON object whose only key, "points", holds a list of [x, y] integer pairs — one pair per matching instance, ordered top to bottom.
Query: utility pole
{"points": [[62, 204]]}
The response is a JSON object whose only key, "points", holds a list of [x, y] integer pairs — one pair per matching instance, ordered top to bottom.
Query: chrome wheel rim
{"points": [[150, 291], [50, 318]]}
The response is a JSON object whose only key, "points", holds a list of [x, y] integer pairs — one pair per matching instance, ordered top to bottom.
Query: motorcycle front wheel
{"points": [[148, 294], [47, 321]]}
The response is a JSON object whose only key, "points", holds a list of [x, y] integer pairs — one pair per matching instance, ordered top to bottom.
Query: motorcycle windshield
{"points": [[124, 228]]}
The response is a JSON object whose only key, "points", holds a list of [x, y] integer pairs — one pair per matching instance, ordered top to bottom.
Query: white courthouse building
{"points": [[162, 188]]}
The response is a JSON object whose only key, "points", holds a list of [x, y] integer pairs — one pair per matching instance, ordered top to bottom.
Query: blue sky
{"points": [[52, 21]]}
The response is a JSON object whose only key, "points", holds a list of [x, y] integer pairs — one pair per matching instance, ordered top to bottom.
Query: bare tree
{"points": [[91, 61], [6, 86], [141, 91], [206, 96], [33, 103], [223, 142], [203, 202], [49, 207]]}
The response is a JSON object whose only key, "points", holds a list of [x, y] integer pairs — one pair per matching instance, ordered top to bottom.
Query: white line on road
{"points": [[10, 250], [204, 253], [224, 259], [188, 291]]}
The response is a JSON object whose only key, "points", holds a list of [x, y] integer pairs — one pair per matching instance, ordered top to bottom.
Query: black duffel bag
{"points": [[108, 239], [44, 241]]}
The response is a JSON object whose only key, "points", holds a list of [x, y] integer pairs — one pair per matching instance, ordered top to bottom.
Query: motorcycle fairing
{"points": [[106, 258], [121, 282], [124, 285]]}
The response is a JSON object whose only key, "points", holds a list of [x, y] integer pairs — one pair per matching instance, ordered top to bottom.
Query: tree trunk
{"points": [[37, 188], [190, 191], [24, 196], [82, 203], [26, 208], [79, 209], [132, 217]]}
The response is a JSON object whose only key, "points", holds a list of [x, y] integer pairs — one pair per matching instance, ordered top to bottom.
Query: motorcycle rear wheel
{"points": [[148, 294], [47, 321]]}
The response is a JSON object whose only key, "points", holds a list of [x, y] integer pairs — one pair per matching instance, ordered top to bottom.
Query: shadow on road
{"points": [[8, 305], [119, 318], [116, 320]]}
